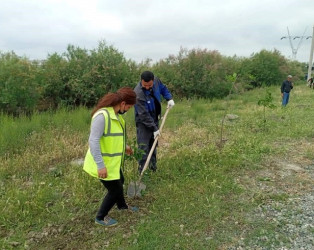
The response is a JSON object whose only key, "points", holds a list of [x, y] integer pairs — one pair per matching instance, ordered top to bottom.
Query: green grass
{"points": [[198, 199]]}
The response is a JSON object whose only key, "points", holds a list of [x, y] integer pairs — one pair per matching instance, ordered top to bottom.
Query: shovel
{"points": [[136, 188]]}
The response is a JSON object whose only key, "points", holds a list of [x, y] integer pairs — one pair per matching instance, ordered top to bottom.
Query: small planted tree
{"points": [[231, 79], [266, 102], [133, 173]]}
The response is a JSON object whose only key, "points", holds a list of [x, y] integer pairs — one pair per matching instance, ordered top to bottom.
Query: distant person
{"points": [[311, 82], [286, 87], [147, 114], [107, 147]]}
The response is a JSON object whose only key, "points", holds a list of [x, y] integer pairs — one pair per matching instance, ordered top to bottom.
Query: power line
{"points": [[291, 38]]}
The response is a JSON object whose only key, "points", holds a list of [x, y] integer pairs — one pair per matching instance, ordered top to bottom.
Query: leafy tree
{"points": [[265, 67], [195, 73], [81, 77], [52, 80], [19, 91]]}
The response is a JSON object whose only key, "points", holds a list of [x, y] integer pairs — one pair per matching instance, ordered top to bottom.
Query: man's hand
{"points": [[170, 104], [156, 133], [102, 173]]}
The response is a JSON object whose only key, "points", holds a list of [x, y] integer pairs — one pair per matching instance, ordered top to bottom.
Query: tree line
{"points": [[80, 76]]}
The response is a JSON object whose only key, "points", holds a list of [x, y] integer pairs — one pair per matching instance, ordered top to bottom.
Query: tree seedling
{"points": [[266, 102]]}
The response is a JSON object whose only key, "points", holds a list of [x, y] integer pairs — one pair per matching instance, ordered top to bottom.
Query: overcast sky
{"points": [[155, 29]]}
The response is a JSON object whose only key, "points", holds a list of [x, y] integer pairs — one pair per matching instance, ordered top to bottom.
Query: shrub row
{"points": [[81, 77]]}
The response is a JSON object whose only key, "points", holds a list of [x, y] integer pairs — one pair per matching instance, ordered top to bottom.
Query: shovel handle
{"points": [[154, 144]]}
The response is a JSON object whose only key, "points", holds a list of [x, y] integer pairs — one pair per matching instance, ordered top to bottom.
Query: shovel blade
{"points": [[135, 189]]}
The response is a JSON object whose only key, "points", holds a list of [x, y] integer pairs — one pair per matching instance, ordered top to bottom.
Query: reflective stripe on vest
{"points": [[112, 145]]}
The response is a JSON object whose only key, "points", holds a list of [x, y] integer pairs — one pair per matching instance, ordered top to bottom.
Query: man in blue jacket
{"points": [[286, 87], [147, 114]]}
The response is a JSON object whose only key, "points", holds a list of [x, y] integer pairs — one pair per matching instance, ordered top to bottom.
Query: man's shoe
{"points": [[153, 168], [107, 222]]}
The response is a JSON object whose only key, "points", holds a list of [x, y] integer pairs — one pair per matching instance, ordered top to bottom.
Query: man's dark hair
{"points": [[147, 76]]}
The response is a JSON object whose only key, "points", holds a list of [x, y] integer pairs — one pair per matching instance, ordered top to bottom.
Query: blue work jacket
{"points": [[148, 103]]}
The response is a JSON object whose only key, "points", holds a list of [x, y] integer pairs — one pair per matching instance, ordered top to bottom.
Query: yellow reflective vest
{"points": [[112, 145]]}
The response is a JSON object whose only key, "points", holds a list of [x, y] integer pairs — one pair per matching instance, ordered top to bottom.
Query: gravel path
{"points": [[286, 224], [294, 225]]}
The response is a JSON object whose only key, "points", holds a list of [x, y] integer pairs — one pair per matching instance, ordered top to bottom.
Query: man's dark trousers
{"points": [[145, 141]]}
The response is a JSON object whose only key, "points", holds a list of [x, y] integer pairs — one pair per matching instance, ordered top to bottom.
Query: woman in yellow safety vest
{"points": [[107, 146]]}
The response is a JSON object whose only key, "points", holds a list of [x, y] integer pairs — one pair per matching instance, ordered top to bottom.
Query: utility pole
{"points": [[295, 50], [309, 72]]}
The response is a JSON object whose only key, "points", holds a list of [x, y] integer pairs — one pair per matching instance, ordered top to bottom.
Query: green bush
{"points": [[266, 67], [195, 73], [52, 77], [81, 77], [19, 92]]}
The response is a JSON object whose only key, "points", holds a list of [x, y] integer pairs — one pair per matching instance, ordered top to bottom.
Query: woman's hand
{"points": [[128, 150], [102, 173]]}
